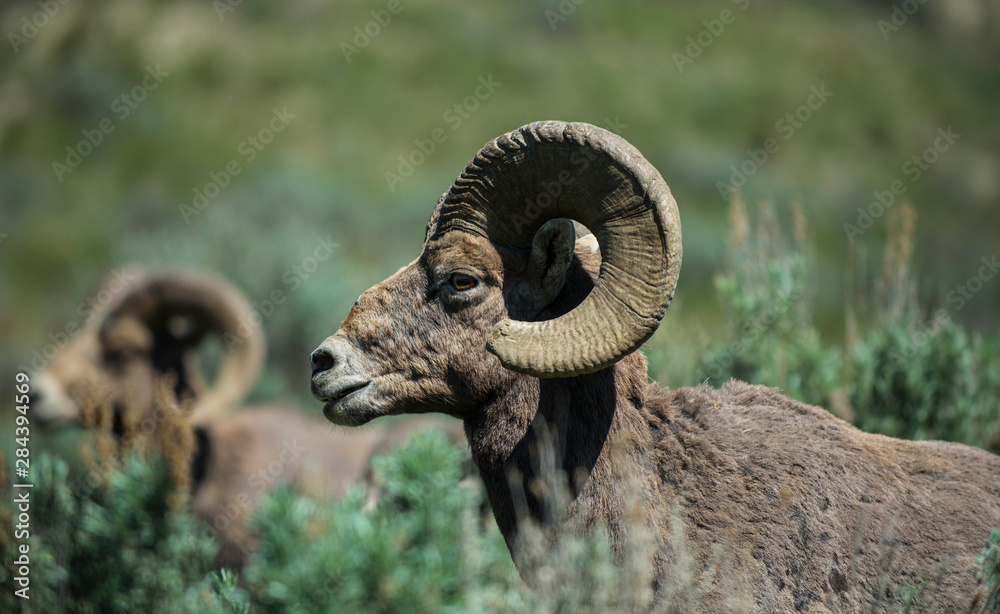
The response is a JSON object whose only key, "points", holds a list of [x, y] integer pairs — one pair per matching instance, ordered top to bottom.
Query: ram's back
{"points": [[812, 513]]}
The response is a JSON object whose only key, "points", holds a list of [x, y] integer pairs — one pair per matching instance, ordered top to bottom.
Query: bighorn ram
{"points": [[505, 323], [152, 325]]}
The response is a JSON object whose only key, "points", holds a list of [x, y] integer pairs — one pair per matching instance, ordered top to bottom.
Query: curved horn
{"points": [[547, 170], [180, 308]]}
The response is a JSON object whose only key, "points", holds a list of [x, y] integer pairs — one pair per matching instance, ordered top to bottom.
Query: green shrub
{"points": [[765, 292], [903, 378], [920, 379], [927, 381], [420, 540], [425, 546], [111, 547], [990, 573], [912, 599]]}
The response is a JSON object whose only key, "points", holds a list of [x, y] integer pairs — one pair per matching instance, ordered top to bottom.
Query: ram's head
{"points": [[502, 287], [150, 328]]}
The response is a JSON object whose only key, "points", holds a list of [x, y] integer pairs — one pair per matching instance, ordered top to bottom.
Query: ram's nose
{"points": [[322, 360], [331, 362], [49, 405]]}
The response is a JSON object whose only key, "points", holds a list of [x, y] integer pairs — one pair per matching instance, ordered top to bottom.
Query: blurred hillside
{"points": [[243, 136]]}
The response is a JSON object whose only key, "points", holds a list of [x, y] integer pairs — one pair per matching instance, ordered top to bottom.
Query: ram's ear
{"points": [[551, 254]]}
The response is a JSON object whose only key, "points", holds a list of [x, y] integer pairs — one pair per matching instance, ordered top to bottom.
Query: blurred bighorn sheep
{"points": [[505, 322], [152, 328]]}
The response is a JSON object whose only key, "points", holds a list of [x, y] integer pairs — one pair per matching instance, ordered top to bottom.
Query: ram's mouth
{"points": [[346, 390], [347, 403]]}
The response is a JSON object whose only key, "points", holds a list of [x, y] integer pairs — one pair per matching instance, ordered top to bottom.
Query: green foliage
{"points": [[772, 340], [903, 377], [922, 380], [927, 381], [420, 540], [425, 546], [114, 547], [990, 573], [233, 598], [912, 598]]}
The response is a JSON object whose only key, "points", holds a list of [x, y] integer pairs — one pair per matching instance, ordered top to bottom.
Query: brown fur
{"points": [[809, 513]]}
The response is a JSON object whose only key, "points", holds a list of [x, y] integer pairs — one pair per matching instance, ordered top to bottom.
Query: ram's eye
{"points": [[461, 281]]}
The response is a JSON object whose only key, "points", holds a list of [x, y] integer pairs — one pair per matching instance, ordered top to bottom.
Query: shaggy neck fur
{"points": [[589, 429]]}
